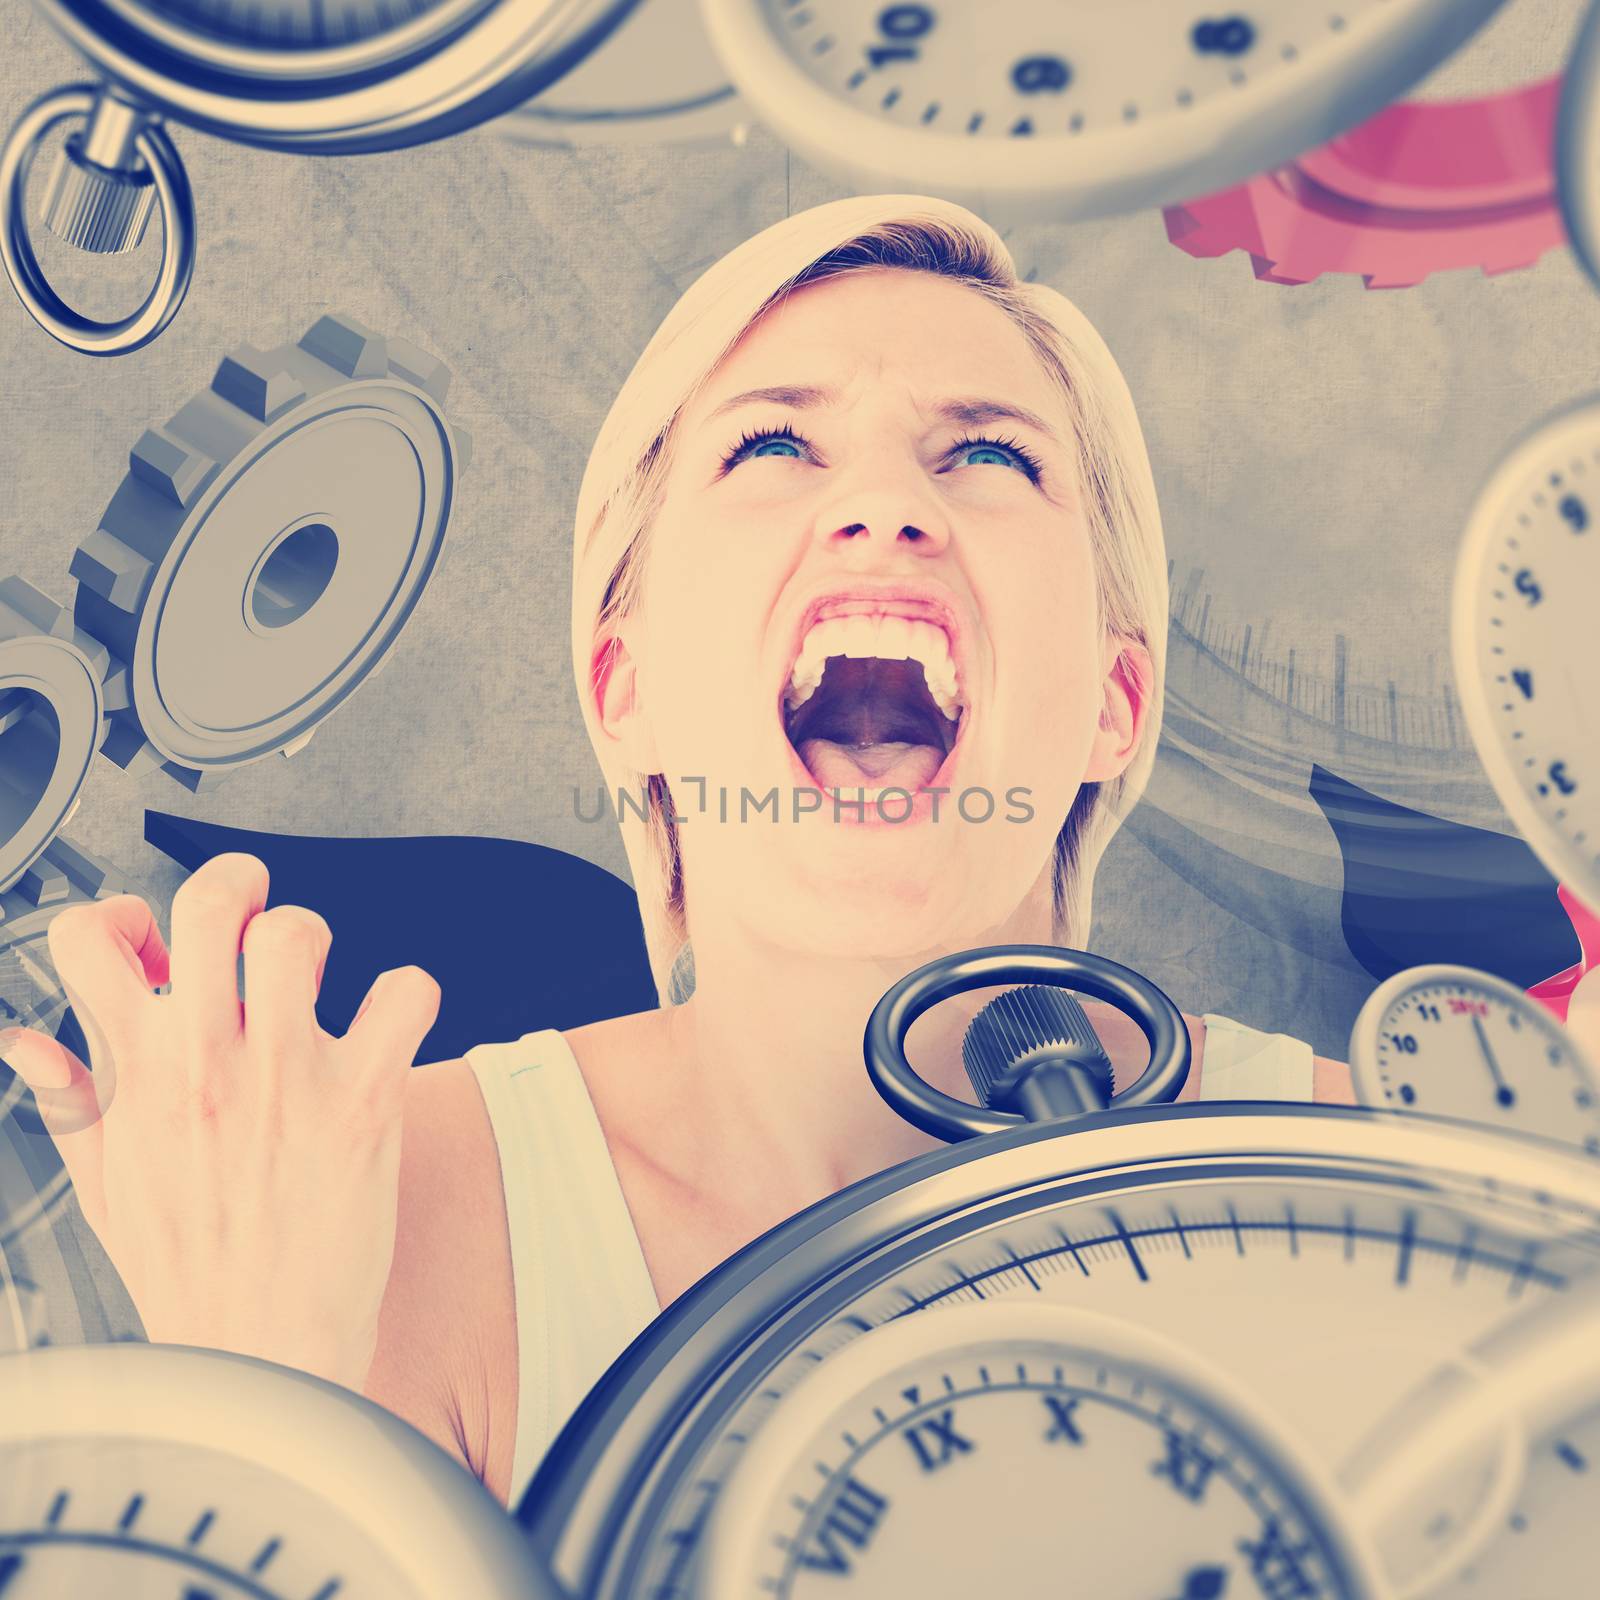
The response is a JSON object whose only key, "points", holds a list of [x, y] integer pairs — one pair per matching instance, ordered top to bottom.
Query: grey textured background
{"points": [[1316, 449]]}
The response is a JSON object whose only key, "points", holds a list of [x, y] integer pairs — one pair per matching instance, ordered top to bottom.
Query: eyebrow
{"points": [[798, 397], [968, 412], [979, 413]]}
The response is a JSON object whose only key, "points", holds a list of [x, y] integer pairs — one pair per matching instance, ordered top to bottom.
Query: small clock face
{"points": [[1098, 106], [1525, 645], [1458, 1043], [1034, 1440]]}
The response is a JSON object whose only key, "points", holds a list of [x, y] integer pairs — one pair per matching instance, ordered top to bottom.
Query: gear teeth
{"points": [[1382, 202], [348, 347], [416, 366], [257, 383], [461, 448], [175, 469], [114, 571], [24, 609], [27, 610], [114, 627], [100, 658], [116, 685], [13, 708], [295, 746], [126, 747], [197, 780], [88, 873], [44, 883]]}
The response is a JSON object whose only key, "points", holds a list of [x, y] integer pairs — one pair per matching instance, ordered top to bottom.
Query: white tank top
{"points": [[581, 1286], [582, 1289]]}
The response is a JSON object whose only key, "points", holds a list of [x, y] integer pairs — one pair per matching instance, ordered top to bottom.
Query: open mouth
{"points": [[873, 703]]}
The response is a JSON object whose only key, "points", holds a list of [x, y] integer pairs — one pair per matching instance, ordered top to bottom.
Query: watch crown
{"points": [[100, 209], [1026, 1029]]}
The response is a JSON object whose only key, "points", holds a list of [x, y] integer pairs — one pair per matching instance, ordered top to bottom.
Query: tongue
{"points": [[871, 766]]}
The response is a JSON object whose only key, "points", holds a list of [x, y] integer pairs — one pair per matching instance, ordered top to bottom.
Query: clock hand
{"points": [[1503, 1093]]}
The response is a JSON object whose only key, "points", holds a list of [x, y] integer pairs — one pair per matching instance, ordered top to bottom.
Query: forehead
{"points": [[933, 335]]}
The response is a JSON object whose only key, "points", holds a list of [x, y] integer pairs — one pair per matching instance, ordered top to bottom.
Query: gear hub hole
{"points": [[294, 576], [30, 748]]}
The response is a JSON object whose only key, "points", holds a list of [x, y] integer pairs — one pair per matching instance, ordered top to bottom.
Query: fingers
{"points": [[209, 915], [285, 951], [110, 954], [395, 1017], [64, 1092]]}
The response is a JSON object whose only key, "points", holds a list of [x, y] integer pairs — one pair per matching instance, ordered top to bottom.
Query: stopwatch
{"points": [[317, 76], [656, 80], [1026, 111], [1523, 640], [1461, 1043], [1315, 1264], [155, 1472]]}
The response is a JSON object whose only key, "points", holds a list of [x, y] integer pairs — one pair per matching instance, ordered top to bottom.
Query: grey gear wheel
{"points": [[266, 548], [52, 720], [33, 1182]]}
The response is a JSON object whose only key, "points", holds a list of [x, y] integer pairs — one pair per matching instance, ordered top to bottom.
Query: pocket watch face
{"points": [[1322, 1264]]}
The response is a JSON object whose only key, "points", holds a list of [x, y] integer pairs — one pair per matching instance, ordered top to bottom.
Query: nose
{"points": [[883, 510]]}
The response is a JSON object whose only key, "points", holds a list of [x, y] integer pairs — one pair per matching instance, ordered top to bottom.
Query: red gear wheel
{"points": [[1423, 187]]}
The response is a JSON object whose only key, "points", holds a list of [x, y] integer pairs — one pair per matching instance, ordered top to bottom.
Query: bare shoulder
{"points": [[623, 1061], [447, 1340]]}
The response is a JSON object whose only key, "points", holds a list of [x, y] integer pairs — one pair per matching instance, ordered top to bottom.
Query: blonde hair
{"points": [[627, 469]]}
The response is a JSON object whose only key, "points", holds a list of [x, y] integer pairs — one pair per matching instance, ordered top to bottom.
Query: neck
{"points": [[770, 1048]]}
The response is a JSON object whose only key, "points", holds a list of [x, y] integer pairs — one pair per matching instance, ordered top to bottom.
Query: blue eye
{"points": [[779, 444], [995, 453], [987, 455]]}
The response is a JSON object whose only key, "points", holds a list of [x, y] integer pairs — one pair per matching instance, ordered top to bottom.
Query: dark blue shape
{"points": [[1419, 888], [519, 936]]}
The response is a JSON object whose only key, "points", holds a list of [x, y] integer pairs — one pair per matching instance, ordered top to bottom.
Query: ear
{"points": [[616, 685], [1125, 706]]}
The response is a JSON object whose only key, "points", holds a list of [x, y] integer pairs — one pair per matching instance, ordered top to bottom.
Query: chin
{"points": [[875, 895]]}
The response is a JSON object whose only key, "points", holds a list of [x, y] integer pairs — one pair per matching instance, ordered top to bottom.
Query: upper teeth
{"points": [[882, 639]]}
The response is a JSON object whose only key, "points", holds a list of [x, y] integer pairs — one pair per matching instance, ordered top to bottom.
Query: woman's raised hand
{"points": [[239, 1165]]}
